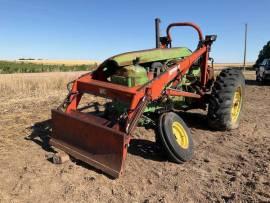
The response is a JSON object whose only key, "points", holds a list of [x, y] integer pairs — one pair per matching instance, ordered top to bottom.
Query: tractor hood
{"points": [[150, 55]]}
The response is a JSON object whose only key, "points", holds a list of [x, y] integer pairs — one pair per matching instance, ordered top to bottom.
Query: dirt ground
{"points": [[227, 166]]}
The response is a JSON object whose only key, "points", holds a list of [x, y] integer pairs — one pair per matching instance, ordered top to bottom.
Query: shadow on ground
{"points": [[255, 83], [195, 120], [41, 132], [146, 149]]}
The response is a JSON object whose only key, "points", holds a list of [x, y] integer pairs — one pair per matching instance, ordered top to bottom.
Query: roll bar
{"points": [[196, 27]]}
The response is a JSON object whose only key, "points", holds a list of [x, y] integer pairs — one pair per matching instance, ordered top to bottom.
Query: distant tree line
{"points": [[264, 53], [28, 59], [27, 67]]}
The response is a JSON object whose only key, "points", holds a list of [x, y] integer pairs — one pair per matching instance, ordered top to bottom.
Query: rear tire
{"points": [[226, 101], [175, 137]]}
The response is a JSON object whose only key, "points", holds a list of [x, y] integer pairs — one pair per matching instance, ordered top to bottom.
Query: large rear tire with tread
{"points": [[226, 101], [175, 137]]}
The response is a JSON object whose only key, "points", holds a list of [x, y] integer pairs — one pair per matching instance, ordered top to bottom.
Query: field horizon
{"points": [[67, 62], [72, 62]]}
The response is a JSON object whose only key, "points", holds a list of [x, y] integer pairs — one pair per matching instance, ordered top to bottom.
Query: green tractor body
{"points": [[151, 55], [132, 71]]}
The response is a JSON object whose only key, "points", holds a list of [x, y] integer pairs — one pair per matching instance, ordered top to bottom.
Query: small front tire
{"points": [[175, 137]]}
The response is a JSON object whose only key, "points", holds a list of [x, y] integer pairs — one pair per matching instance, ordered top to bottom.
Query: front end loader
{"points": [[140, 87]]}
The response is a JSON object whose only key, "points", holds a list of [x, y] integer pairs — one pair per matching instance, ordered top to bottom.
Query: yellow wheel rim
{"points": [[236, 105], [180, 134]]}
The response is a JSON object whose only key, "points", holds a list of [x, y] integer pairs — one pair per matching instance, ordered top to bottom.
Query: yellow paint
{"points": [[236, 105], [180, 134]]}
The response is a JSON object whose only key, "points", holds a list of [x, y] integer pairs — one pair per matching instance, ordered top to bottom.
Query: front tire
{"points": [[226, 101], [175, 137]]}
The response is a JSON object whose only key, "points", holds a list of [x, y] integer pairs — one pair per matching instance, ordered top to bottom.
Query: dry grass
{"points": [[60, 62], [222, 65], [35, 84]]}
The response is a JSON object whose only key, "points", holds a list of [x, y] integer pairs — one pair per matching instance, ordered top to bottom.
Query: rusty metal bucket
{"points": [[87, 138]]}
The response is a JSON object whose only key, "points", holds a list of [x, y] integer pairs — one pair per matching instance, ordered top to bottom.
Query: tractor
{"points": [[142, 87]]}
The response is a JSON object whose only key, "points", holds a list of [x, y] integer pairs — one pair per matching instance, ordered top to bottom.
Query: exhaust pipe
{"points": [[157, 29]]}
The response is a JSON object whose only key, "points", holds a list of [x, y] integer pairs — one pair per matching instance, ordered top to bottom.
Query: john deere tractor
{"points": [[142, 87]]}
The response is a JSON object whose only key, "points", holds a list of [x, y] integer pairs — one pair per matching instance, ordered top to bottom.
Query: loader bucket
{"points": [[87, 138]]}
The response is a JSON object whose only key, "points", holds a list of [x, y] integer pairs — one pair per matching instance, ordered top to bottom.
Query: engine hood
{"points": [[150, 55]]}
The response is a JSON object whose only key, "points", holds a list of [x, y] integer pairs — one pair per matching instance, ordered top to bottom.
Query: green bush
{"points": [[22, 67]]}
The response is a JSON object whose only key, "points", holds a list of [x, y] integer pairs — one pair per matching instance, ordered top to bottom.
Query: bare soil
{"points": [[228, 166]]}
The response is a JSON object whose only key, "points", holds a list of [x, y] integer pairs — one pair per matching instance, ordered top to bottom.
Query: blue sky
{"points": [[97, 29]]}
